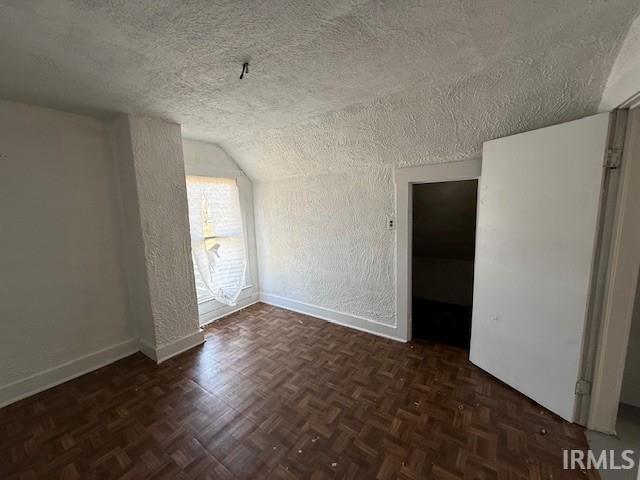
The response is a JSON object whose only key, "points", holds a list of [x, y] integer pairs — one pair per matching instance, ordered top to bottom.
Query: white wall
{"points": [[209, 160], [154, 166], [322, 242], [133, 253], [96, 257], [62, 293]]}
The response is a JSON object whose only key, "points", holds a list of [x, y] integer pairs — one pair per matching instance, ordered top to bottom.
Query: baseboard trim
{"points": [[210, 317], [340, 318], [148, 350], [165, 352], [51, 377], [41, 381]]}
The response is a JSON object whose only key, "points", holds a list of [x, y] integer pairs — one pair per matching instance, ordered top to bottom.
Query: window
{"points": [[217, 239]]}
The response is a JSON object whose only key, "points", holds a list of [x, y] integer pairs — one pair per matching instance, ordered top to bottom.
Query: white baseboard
{"points": [[218, 313], [333, 316], [148, 350], [165, 352], [51, 377], [39, 382]]}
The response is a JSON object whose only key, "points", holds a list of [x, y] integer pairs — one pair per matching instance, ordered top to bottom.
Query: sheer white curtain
{"points": [[217, 240]]}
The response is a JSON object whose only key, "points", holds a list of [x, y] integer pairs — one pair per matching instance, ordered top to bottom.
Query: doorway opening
{"points": [[443, 251], [627, 422]]}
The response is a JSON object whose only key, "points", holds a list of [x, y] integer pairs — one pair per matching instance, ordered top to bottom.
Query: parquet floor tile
{"points": [[274, 394]]}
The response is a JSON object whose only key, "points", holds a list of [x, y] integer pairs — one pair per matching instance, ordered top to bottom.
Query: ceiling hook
{"points": [[245, 69]]}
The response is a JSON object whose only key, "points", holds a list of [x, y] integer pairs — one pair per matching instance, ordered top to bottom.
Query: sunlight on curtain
{"points": [[217, 241]]}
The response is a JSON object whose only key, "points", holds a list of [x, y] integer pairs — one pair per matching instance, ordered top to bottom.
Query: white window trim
{"points": [[211, 310]]}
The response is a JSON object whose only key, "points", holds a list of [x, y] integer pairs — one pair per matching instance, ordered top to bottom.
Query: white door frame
{"points": [[405, 178], [621, 288]]}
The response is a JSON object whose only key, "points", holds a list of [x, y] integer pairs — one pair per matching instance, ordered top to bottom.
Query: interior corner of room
{"points": [[426, 241]]}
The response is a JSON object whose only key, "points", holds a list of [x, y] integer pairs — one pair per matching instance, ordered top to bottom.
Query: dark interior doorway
{"points": [[444, 229]]}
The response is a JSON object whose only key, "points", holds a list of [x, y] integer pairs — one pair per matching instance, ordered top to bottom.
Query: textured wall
{"points": [[338, 91], [209, 160], [316, 175], [162, 202], [322, 240], [133, 254], [62, 291]]}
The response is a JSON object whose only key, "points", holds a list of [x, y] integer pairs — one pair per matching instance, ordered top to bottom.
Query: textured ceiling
{"points": [[333, 84]]}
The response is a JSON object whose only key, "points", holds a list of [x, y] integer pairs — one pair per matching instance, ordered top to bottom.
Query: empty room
{"points": [[319, 239]]}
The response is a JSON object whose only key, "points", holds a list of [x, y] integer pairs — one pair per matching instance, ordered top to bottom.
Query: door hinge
{"points": [[613, 158], [583, 387]]}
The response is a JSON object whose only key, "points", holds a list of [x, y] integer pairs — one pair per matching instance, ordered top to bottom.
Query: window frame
{"points": [[211, 305]]}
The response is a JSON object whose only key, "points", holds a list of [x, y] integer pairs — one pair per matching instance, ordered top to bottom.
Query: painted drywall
{"points": [[623, 82], [337, 92], [209, 160], [158, 165], [539, 198], [323, 241], [134, 262], [62, 293], [631, 381]]}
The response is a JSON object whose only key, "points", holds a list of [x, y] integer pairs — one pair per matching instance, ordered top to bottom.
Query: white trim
{"points": [[632, 103], [404, 180], [620, 290], [212, 309], [226, 310], [206, 313], [345, 319], [147, 349], [165, 352], [51, 377]]}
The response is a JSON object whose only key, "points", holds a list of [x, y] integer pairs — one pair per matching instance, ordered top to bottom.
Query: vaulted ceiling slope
{"points": [[333, 85]]}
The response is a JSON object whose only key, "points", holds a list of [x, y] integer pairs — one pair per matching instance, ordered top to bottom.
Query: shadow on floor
{"points": [[441, 322]]}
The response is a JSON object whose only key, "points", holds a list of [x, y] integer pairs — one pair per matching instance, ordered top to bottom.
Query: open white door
{"points": [[538, 212]]}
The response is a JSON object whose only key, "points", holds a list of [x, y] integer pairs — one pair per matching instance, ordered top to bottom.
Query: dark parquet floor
{"points": [[274, 394]]}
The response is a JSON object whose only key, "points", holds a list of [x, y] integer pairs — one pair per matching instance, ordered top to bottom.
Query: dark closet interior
{"points": [[444, 226]]}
